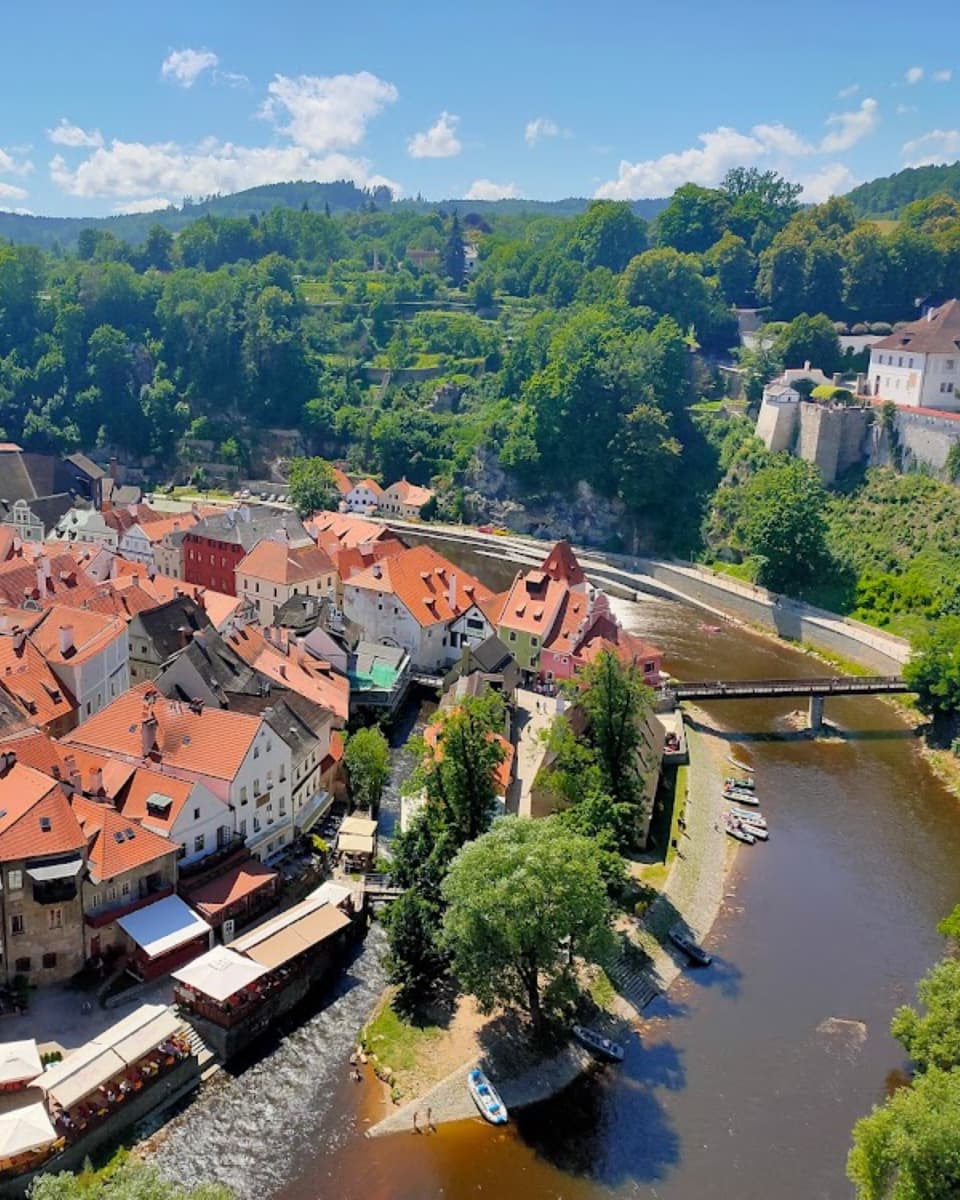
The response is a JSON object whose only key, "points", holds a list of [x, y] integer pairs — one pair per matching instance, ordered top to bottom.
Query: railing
{"points": [[736, 689]]}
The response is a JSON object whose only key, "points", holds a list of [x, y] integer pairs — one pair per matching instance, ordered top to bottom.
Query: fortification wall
{"points": [[777, 424], [924, 439]]}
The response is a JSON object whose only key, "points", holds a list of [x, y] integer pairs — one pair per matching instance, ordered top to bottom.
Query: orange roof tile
{"points": [[344, 484], [371, 484], [405, 492], [333, 531], [351, 560], [279, 562], [561, 564], [19, 580], [425, 583], [533, 604], [572, 621], [90, 633], [298, 671], [26, 677], [213, 742], [34, 749], [145, 783], [35, 816], [115, 844], [245, 879]]}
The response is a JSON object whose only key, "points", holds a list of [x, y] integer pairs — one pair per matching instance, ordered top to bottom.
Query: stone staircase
{"points": [[632, 981], [205, 1056]]}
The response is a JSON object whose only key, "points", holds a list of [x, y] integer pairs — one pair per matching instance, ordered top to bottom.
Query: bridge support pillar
{"points": [[816, 712]]}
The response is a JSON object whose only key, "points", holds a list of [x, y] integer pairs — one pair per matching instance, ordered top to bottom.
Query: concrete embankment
{"points": [[720, 594]]}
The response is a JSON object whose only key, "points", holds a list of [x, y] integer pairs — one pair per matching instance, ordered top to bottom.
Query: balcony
{"points": [[106, 916]]}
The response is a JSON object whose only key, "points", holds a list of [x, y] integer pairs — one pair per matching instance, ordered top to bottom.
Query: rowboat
{"points": [[748, 784], [742, 795], [746, 817], [739, 832], [759, 833], [693, 951], [597, 1044], [485, 1097]]}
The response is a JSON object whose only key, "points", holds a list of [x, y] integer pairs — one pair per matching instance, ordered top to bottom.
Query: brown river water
{"points": [[748, 1076]]}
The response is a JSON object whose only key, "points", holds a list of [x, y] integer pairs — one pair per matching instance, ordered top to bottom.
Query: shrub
{"points": [[881, 327]]}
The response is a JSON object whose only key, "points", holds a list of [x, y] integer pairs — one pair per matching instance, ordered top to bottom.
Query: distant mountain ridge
{"points": [[340, 196], [887, 197]]}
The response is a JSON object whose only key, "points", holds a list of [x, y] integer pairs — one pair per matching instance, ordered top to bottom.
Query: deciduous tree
{"points": [[313, 485], [367, 757]]}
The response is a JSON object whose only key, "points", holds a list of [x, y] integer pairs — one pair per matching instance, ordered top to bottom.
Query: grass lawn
{"points": [[664, 828], [601, 989], [398, 1043]]}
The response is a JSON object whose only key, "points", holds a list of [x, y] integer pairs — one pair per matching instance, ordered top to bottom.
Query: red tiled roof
{"points": [[343, 481], [371, 484], [405, 492], [333, 531], [351, 560], [279, 562], [561, 563], [66, 582], [425, 583], [533, 604], [571, 625], [92, 632], [297, 670], [28, 680], [213, 742], [503, 773], [132, 801], [36, 816], [115, 844], [243, 880]]}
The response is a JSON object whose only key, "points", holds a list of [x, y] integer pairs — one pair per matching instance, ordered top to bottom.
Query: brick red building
{"points": [[214, 546]]}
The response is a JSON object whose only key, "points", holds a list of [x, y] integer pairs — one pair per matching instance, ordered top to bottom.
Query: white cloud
{"points": [[184, 67], [913, 75], [942, 76], [850, 90], [323, 112], [540, 127], [850, 127], [66, 134], [780, 139], [439, 141], [937, 146], [706, 164], [13, 166], [131, 170], [831, 180], [486, 189], [10, 191], [150, 204], [19, 212]]}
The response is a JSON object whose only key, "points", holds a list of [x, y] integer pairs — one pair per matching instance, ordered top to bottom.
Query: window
{"points": [[900, 361], [950, 364], [513, 636], [533, 641], [256, 753], [269, 780], [256, 787], [243, 795], [196, 814], [256, 824], [243, 827], [198, 843], [14, 881], [111, 894], [95, 900], [54, 918], [17, 924], [49, 961], [22, 965]]}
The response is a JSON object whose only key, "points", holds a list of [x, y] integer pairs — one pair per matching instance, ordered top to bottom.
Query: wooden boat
{"points": [[741, 766], [747, 784], [740, 794], [746, 817], [739, 832], [693, 951], [597, 1044], [486, 1098]]}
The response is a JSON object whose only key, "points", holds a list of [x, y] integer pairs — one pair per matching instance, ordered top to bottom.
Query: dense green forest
{"points": [[887, 196], [573, 351]]}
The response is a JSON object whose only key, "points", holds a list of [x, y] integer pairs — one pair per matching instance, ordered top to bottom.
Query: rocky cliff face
{"points": [[492, 496]]}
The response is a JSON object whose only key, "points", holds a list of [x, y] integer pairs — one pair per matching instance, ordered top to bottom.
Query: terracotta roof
{"points": [[937, 333], [344, 484], [371, 484], [405, 492], [157, 529], [333, 531], [7, 536], [351, 560], [279, 562], [561, 563], [422, 580], [66, 581], [533, 604], [218, 606], [572, 623], [92, 632], [607, 635], [295, 670], [27, 678], [432, 735], [213, 742], [34, 749], [144, 784], [36, 819], [115, 844], [243, 880]]}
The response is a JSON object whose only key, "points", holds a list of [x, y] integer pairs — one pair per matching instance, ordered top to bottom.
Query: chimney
{"points": [[931, 313], [806, 366], [837, 379], [377, 571], [452, 592], [200, 597], [19, 638], [65, 639], [301, 653], [196, 706], [148, 735], [8, 761], [96, 781]]}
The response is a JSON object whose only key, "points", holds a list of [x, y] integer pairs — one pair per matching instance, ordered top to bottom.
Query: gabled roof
{"points": [[936, 333], [86, 465], [344, 483], [370, 484], [405, 492], [49, 509], [246, 526], [334, 531], [351, 560], [276, 561], [561, 564], [65, 580], [430, 587], [533, 604], [571, 624], [169, 626], [92, 632], [606, 634], [491, 655], [293, 668], [26, 677], [298, 721], [212, 742], [503, 772], [153, 799], [36, 819], [115, 844]]}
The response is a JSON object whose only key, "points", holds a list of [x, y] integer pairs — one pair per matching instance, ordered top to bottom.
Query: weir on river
{"points": [[749, 1075]]}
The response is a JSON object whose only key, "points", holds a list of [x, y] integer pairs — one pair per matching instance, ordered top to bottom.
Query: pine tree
{"points": [[453, 255]]}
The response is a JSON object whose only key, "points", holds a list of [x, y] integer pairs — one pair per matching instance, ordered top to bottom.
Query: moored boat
{"points": [[748, 784], [740, 794], [747, 817], [739, 832], [758, 832], [693, 950], [597, 1044], [486, 1097]]}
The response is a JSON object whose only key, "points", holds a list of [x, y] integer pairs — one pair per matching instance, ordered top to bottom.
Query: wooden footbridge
{"points": [[816, 689]]}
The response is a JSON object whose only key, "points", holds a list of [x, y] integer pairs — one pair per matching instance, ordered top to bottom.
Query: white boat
{"points": [[746, 783], [744, 797], [746, 817], [735, 830], [758, 832], [692, 949], [597, 1044], [486, 1098]]}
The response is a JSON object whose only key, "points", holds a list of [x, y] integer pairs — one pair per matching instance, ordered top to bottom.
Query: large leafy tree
{"points": [[694, 219], [608, 235], [811, 340], [313, 485], [781, 522], [934, 668], [367, 757], [522, 901], [932, 1039], [909, 1148]]}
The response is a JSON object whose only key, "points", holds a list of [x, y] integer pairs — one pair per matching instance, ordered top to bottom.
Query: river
{"points": [[748, 1076]]}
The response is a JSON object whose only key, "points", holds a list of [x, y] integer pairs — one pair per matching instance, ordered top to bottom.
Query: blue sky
{"points": [[106, 107]]}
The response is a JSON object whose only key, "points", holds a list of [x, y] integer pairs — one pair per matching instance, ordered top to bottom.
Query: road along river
{"points": [[748, 1076]]}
